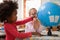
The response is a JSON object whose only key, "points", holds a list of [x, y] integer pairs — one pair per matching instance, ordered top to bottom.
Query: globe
{"points": [[49, 14]]}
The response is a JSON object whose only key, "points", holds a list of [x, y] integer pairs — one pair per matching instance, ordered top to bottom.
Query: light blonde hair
{"points": [[32, 9]]}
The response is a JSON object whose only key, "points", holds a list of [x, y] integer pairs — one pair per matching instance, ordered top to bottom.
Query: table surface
{"points": [[44, 32], [53, 32], [39, 37], [45, 38]]}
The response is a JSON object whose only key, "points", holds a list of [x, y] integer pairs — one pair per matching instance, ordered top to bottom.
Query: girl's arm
{"points": [[24, 21], [12, 30]]}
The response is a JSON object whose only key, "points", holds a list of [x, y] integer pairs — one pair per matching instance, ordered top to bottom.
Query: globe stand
{"points": [[49, 33]]}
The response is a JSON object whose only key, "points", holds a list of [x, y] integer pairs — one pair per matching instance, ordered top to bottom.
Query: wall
{"points": [[1, 1], [54, 1], [32, 4], [20, 9]]}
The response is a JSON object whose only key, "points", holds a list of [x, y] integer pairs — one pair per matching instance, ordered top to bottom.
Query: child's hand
{"points": [[36, 23], [36, 33]]}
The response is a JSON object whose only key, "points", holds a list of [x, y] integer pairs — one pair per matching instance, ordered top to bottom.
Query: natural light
{"points": [[1, 1], [32, 4]]}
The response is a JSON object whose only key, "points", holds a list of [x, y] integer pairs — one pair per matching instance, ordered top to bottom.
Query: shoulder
{"points": [[7, 25]]}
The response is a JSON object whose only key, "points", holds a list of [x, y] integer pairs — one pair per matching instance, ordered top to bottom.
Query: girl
{"points": [[8, 15], [34, 26]]}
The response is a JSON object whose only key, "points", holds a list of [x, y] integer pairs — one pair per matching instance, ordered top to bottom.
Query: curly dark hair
{"points": [[6, 9]]}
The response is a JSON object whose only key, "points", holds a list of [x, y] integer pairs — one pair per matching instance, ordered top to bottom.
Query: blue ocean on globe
{"points": [[49, 14]]}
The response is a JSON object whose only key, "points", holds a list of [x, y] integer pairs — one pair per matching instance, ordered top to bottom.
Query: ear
{"points": [[8, 18]]}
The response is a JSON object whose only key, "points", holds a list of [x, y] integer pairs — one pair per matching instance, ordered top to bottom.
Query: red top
{"points": [[11, 30]]}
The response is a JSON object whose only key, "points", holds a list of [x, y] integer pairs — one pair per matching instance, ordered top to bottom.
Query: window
{"points": [[1, 1], [32, 4]]}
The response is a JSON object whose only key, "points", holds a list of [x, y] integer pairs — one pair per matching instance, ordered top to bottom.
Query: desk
{"points": [[53, 32], [37, 37], [46, 38]]}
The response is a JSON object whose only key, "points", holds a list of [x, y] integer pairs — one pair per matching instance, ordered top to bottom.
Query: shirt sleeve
{"points": [[24, 21], [15, 33]]}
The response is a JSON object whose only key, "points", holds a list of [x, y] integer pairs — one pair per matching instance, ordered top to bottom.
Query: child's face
{"points": [[33, 12], [13, 17]]}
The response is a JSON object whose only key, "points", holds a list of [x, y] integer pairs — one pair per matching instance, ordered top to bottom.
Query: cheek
{"points": [[14, 18]]}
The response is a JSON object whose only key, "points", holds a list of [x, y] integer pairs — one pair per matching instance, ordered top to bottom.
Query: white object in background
{"points": [[1, 1], [51, 18], [56, 18]]}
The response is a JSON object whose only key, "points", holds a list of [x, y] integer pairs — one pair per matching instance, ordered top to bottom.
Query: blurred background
{"points": [[24, 7]]}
